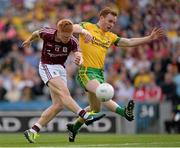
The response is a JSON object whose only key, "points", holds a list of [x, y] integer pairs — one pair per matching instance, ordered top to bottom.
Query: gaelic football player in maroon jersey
{"points": [[57, 45]]}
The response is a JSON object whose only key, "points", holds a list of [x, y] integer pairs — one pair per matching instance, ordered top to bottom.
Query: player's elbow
{"points": [[36, 33], [131, 43]]}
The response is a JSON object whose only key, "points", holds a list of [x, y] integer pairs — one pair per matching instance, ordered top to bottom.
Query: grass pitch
{"points": [[92, 140]]}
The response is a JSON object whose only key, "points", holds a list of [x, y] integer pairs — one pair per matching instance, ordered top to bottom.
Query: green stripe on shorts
{"points": [[86, 74]]}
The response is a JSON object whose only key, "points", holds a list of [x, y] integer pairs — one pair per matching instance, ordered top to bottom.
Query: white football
{"points": [[104, 92]]}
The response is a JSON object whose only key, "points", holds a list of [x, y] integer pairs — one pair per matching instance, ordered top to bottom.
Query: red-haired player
{"points": [[58, 44]]}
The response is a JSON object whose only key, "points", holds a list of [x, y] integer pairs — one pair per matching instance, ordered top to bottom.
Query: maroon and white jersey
{"points": [[56, 52]]}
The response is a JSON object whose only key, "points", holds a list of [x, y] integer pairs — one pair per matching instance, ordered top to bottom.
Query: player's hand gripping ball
{"points": [[104, 92]]}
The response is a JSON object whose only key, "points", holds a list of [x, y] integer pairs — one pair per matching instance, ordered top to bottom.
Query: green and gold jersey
{"points": [[94, 52]]}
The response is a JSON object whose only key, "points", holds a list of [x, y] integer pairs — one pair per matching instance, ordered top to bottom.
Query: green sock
{"points": [[120, 110], [77, 125]]}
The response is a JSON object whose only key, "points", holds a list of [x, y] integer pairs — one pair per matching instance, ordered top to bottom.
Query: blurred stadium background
{"points": [[150, 74]]}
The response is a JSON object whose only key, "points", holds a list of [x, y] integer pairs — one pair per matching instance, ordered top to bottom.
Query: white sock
{"points": [[79, 111], [83, 114], [86, 115], [38, 125], [32, 130], [36, 130]]}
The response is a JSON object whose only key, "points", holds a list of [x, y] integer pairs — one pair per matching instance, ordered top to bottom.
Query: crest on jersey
{"points": [[57, 48], [64, 49]]}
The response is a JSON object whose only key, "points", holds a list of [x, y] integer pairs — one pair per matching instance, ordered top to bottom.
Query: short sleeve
{"points": [[85, 25], [43, 33], [115, 39]]}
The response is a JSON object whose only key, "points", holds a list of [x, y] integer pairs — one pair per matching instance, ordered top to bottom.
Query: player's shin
{"points": [[114, 107], [127, 112], [80, 121], [78, 124]]}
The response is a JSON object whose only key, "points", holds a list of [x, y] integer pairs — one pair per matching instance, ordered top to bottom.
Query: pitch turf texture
{"points": [[92, 140]]}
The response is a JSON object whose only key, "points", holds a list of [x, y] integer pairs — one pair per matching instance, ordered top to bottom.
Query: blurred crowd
{"points": [[147, 73]]}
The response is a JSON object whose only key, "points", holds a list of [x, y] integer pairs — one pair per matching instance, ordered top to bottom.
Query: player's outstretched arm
{"points": [[78, 29], [156, 33], [34, 35]]}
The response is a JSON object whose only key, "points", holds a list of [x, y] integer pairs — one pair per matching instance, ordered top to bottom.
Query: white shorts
{"points": [[48, 72]]}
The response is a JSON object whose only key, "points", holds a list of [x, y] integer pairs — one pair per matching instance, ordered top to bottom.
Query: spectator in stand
{"points": [[21, 17], [157, 70], [143, 77], [176, 80], [123, 88], [169, 88], [3, 90], [153, 91], [149, 92]]}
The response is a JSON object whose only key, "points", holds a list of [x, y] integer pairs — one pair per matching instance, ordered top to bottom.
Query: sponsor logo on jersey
{"points": [[57, 48], [64, 49]]}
